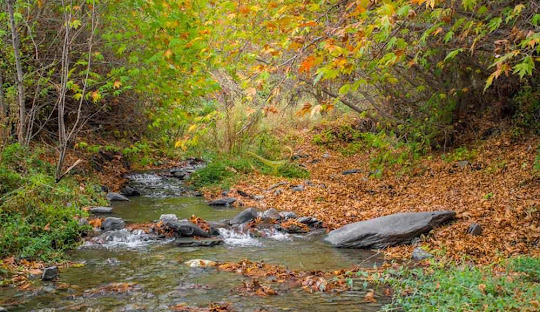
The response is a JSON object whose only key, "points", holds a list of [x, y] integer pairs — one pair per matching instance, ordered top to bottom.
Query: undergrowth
{"points": [[223, 170], [39, 219], [442, 287]]}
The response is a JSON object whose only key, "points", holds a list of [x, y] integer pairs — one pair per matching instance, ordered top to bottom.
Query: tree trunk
{"points": [[21, 129]]}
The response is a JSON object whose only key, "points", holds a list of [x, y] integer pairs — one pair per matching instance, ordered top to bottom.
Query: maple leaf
{"points": [[307, 64]]}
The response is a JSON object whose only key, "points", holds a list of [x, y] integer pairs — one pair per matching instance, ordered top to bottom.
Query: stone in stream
{"points": [[129, 191], [116, 197], [225, 201], [100, 210], [270, 215], [288, 215], [245, 216], [168, 217], [310, 221], [113, 224], [185, 228], [387, 231], [190, 242], [419, 254], [50, 274]]}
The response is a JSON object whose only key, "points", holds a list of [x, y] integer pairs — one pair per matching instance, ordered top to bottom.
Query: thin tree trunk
{"points": [[21, 130]]}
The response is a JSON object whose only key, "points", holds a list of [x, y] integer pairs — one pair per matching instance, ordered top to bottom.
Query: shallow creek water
{"points": [[161, 279]]}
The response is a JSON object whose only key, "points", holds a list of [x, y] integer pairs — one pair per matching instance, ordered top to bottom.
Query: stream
{"points": [[160, 279]]}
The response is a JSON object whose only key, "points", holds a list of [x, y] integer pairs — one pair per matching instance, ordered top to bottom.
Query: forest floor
{"points": [[495, 187]]}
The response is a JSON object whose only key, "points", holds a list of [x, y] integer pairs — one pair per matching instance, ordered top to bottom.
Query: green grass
{"points": [[223, 171], [38, 217], [464, 288]]}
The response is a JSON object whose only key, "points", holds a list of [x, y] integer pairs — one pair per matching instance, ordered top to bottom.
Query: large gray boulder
{"points": [[245, 216], [113, 224], [185, 228], [387, 231]]}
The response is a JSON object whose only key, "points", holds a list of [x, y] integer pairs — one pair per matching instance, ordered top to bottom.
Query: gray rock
{"points": [[326, 155], [462, 164], [351, 171], [297, 188], [129, 191], [278, 192], [116, 197], [258, 197], [226, 201], [100, 210], [271, 214], [288, 215], [245, 216], [168, 217], [310, 221], [83, 222], [112, 224], [185, 229], [475, 229], [387, 231], [115, 236], [190, 242], [419, 254], [50, 274], [3, 309]]}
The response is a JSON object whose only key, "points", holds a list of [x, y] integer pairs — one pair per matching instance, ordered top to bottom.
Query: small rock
{"points": [[326, 155], [462, 164], [351, 171], [308, 183], [105, 188], [297, 188], [129, 191], [278, 192], [225, 193], [116, 197], [258, 197], [226, 201], [100, 210], [271, 214], [288, 215], [245, 216], [168, 217], [112, 224], [186, 229], [475, 229], [190, 242], [419, 254], [112, 261], [50, 274], [3, 309]]}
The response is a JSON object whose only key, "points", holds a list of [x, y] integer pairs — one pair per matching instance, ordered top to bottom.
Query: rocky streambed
{"points": [[160, 246]]}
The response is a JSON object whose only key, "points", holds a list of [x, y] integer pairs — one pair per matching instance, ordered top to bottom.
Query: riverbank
{"points": [[492, 183]]}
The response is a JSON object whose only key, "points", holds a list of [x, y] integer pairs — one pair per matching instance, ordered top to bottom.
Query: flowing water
{"points": [[160, 279]]}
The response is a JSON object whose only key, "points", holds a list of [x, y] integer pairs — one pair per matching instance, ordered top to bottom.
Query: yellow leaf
{"points": [[168, 54], [117, 84], [96, 96], [192, 128]]}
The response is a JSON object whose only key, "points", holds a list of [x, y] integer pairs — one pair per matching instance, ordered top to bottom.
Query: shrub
{"points": [[38, 217]]}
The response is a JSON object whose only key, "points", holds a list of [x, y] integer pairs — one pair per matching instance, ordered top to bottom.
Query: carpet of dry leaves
{"points": [[498, 189]]}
